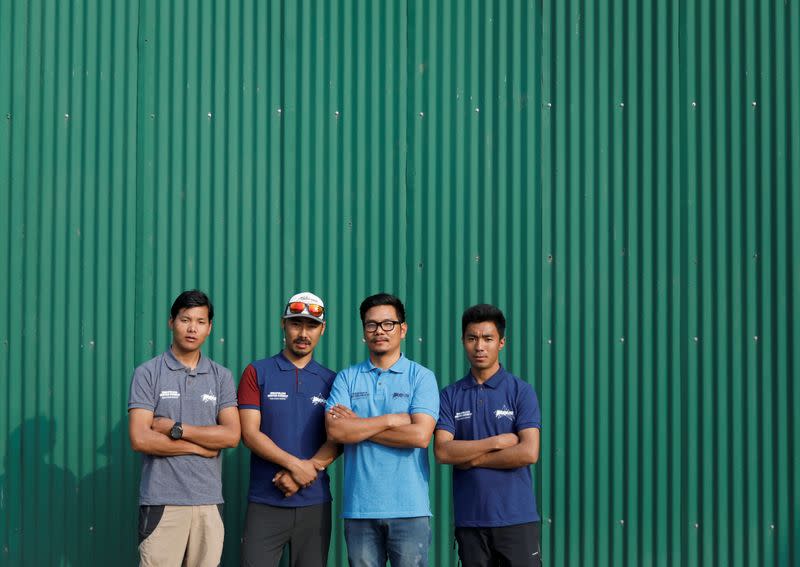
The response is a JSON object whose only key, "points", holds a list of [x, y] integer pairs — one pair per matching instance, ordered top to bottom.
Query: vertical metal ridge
{"points": [[619, 180]]}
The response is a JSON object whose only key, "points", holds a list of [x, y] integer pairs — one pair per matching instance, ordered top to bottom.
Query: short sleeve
{"points": [[143, 390], [227, 390], [249, 392], [340, 392], [426, 395], [528, 412], [446, 421]]}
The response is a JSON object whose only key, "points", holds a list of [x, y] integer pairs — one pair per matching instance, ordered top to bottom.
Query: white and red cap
{"points": [[312, 307]]}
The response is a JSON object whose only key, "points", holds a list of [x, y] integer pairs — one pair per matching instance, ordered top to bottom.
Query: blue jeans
{"points": [[403, 541]]}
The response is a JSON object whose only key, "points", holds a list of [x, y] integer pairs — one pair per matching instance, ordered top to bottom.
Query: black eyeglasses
{"points": [[387, 325]]}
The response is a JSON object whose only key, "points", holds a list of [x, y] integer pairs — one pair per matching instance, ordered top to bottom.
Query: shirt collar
{"points": [[286, 364], [203, 365], [398, 367], [494, 382]]}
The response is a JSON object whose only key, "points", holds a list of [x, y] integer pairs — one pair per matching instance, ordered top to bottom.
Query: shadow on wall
{"points": [[39, 498], [109, 500], [49, 517]]}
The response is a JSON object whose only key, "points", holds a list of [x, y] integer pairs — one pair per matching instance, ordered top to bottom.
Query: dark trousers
{"points": [[267, 529], [507, 546]]}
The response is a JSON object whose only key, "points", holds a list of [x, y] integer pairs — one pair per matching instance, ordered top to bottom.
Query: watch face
{"points": [[177, 431]]}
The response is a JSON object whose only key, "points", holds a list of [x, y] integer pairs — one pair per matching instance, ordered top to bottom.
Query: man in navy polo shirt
{"points": [[282, 410], [488, 429]]}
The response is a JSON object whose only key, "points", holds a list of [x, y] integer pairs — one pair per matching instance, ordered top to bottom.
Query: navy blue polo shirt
{"points": [[292, 404], [484, 497]]}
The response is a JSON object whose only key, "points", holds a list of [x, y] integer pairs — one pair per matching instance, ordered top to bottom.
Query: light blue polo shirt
{"points": [[380, 481]]}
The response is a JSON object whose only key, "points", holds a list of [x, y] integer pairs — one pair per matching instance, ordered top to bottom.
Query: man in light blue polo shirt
{"points": [[384, 411], [489, 430]]}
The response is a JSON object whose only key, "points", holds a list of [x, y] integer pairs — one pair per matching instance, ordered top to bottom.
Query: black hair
{"points": [[189, 299], [383, 299], [484, 312]]}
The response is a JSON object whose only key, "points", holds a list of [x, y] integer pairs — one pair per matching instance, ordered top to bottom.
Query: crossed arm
{"points": [[392, 430], [150, 435], [505, 451], [297, 473]]}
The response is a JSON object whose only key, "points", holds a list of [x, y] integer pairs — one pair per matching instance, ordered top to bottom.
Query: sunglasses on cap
{"points": [[298, 307]]}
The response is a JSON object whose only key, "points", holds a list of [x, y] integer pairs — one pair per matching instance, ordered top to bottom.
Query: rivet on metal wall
{"points": [[754, 103], [694, 104], [549, 105], [622, 105], [477, 109], [279, 110], [337, 114], [422, 114], [152, 115], [8, 116], [66, 116], [209, 116], [755, 255], [549, 258], [755, 338], [222, 339], [420, 339], [622, 339], [697, 339], [549, 341], [91, 344], [549, 520], [622, 522], [696, 526], [772, 526]]}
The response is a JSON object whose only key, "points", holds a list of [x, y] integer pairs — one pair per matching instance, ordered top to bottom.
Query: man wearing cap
{"points": [[282, 409], [384, 411], [181, 413], [489, 430]]}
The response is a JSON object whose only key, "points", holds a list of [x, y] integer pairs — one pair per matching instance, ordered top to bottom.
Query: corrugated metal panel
{"points": [[620, 178]]}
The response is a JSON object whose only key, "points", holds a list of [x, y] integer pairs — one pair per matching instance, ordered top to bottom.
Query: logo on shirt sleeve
{"points": [[278, 396], [466, 414]]}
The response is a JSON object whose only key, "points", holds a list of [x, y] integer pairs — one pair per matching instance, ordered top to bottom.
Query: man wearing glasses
{"points": [[282, 406], [384, 411]]}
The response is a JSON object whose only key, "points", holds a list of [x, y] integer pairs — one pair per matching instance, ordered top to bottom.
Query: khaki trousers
{"points": [[185, 536]]}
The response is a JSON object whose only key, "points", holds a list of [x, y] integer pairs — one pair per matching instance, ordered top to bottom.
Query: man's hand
{"points": [[341, 412], [395, 419], [162, 425], [506, 440], [207, 453], [304, 472], [284, 482]]}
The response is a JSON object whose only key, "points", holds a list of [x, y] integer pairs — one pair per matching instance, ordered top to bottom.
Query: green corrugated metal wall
{"points": [[622, 178]]}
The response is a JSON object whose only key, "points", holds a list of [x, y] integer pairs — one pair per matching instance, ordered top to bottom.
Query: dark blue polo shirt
{"points": [[292, 404], [484, 497]]}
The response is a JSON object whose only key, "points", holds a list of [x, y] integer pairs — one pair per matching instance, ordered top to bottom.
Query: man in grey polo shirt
{"points": [[181, 413]]}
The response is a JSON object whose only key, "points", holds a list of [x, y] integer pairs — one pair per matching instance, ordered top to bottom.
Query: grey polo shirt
{"points": [[166, 387]]}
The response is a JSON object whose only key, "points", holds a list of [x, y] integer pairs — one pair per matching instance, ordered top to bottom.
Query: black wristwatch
{"points": [[177, 430]]}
